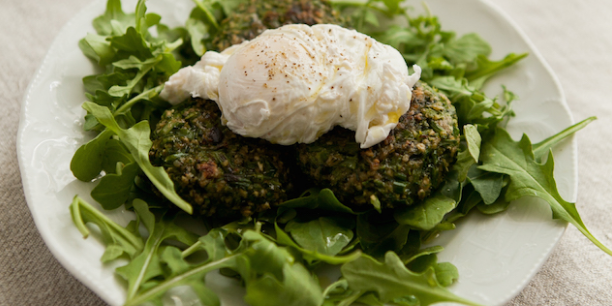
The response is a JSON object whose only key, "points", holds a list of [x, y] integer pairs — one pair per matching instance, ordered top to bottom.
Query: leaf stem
{"points": [[347, 3], [209, 15], [510, 60], [127, 105], [540, 149], [79, 204], [77, 218], [192, 249], [139, 280], [166, 285], [332, 286], [351, 299]]}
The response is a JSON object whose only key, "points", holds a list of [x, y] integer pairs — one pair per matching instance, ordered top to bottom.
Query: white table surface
{"points": [[575, 37]]}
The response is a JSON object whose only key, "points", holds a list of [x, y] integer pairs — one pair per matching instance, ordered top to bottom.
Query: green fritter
{"points": [[252, 18], [401, 170], [221, 173]]}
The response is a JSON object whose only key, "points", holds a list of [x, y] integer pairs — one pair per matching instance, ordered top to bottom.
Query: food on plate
{"points": [[253, 17], [295, 83], [401, 170], [219, 172], [411, 179]]}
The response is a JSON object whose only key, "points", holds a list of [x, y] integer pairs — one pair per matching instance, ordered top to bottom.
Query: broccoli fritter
{"points": [[252, 18], [401, 170], [219, 172]]}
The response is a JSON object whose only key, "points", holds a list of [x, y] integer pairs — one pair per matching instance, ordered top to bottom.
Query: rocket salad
{"points": [[274, 254]]}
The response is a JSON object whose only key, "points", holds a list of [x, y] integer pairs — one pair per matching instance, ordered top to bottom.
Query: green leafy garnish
{"points": [[136, 140], [542, 148], [530, 178], [114, 188], [318, 199], [427, 214], [329, 236], [118, 240], [147, 265], [391, 280]]}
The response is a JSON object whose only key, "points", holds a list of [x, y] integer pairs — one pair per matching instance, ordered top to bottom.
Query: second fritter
{"points": [[403, 169]]}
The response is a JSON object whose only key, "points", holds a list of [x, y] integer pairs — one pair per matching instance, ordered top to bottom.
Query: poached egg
{"points": [[295, 83]]}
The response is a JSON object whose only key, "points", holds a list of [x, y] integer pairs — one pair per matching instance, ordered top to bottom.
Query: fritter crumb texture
{"points": [[254, 17], [405, 168], [221, 173]]}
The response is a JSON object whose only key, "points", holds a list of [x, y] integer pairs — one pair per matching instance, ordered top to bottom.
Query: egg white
{"points": [[295, 83]]}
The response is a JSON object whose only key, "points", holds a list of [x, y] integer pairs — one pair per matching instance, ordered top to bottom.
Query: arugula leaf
{"points": [[393, 6], [207, 7], [139, 14], [370, 18], [102, 24], [198, 30], [396, 36], [133, 43], [122, 45], [97, 48], [466, 49], [134, 63], [167, 65], [145, 67], [487, 68], [98, 85], [455, 88], [473, 106], [472, 137], [137, 141], [542, 148], [115, 153], [468, 157], [86, 164], [530, 178], [489, 185], [114, 189], [323, 199], [496, 207], [426, 214], [378, 234], [324, 235], [117, 239], [213, 243], [312, 256], [409, 258], [168, 262], [423, 263], [147, 264], [181, 272], [197, 272], [446, 273], [273, 277], [391, 280], [193, 290], [336, 292]]}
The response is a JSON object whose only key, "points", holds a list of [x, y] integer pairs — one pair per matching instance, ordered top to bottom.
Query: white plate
{"points": [[496, 256]]}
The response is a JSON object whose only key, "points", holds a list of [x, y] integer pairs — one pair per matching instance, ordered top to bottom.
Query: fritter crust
{"points": [[256, 16], [402, 169], [221, 173]]}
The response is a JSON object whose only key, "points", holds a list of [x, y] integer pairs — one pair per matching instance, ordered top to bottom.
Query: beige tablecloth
{"points": [[575, 37]]}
